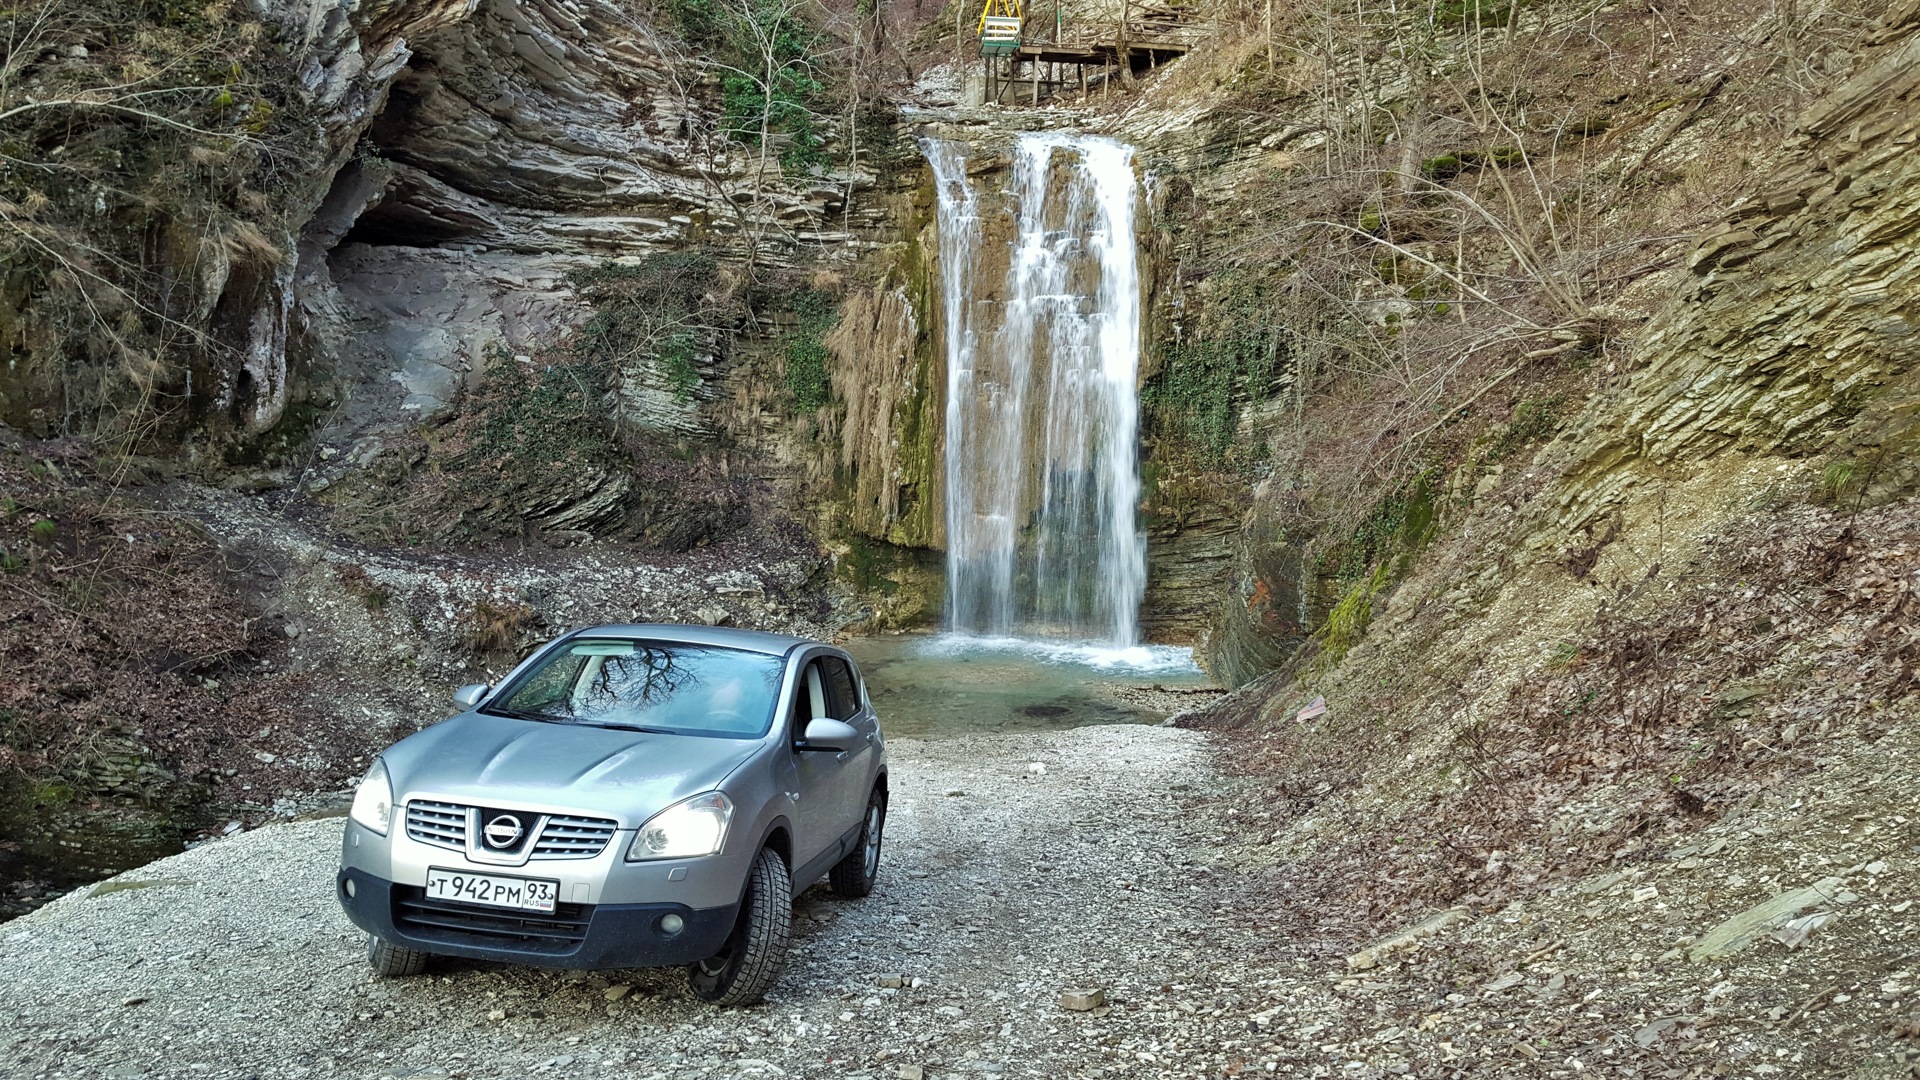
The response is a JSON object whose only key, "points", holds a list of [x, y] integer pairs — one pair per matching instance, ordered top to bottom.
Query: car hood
{"points": [[525, 764]]}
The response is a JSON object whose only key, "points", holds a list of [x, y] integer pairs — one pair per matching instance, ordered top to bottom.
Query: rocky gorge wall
{"points": [[516, 143], [450, 161], [469, 162], [433, 187]]}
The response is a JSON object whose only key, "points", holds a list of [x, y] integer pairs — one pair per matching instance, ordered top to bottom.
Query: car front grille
{"points": [[440, 824], [564, 836], [470, 924]]}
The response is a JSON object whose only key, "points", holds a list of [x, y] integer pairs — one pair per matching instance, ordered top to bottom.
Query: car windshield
{"points": [[649, 685]]}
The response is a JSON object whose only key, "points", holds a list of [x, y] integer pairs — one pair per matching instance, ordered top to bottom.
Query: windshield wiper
{"points": [[516, 714], [624, 727]]}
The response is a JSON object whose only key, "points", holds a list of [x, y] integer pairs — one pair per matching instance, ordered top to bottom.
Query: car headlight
{"points": [[373, 799], [685, 830]]}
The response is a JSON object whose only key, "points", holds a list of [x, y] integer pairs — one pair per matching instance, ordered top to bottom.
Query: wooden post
{"points": [[1036, 81], [1083, 82]]}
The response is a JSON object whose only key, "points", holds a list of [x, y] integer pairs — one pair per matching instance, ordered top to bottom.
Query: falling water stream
{"points": [[1042, 416], [1042, 422]]}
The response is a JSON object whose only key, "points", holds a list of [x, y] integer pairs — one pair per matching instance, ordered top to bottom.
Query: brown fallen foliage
{"points": [[1794, 632], [134, 667]]}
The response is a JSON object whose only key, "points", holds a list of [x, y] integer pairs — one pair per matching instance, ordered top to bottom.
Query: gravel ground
{"points": [[1017, 867]]}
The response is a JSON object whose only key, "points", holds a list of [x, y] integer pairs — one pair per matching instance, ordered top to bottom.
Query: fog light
{"points": [[349, 888], [672, 924]]}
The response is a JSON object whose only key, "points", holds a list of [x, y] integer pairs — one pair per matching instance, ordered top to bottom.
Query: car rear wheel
{"points": [[854, 875], [390, 961], [747, 965]]}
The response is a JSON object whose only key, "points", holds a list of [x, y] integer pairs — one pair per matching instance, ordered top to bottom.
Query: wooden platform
{"points": [[1145, 36], [1100, 54]]}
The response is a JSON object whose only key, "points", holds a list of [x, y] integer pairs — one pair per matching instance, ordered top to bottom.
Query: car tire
{"points": [[853, 876], [390, 961], [747, 965]]}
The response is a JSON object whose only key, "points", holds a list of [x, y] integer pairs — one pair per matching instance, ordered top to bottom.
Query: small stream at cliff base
{"points": [[934, 686]]}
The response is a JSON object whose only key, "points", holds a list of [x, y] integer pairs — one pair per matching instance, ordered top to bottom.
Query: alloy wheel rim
{"points": [[873, 840]]}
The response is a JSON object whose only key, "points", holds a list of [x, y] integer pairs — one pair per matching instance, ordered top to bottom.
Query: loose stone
{"points": [[1083, 1000]]}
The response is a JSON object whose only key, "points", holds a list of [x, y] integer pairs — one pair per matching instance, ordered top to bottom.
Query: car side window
{"points": [[843, 700]]}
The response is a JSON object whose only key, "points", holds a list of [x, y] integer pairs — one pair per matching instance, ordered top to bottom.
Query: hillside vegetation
{"points": [[1565, 355]]}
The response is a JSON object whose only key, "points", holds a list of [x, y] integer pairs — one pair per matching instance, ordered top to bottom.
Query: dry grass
{"points": [[142, 143], [1448, 226], [493, 630], [1793, 638]]}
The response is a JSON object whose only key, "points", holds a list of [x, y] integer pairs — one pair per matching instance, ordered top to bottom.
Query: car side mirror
{"points": [[473, 694], [825, 733]]}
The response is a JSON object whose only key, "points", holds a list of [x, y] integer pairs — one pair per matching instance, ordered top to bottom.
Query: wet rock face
{"points": [[891, 446], [1189, 560]]}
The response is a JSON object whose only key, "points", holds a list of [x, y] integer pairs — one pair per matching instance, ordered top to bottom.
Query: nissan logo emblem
{"points": [[503, 831]]}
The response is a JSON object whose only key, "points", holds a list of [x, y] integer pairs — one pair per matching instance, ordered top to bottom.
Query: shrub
{"points": [[493, 628]]}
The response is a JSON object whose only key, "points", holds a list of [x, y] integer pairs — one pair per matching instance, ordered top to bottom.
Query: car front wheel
{"points": [[854, 875], [391, 961], [747, 965]]}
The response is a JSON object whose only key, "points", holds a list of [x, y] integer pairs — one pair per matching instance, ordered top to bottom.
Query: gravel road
{"points": [[1017, 867]]}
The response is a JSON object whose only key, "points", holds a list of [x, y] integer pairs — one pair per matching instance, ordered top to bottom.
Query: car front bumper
{"points": [[608, 915], [587, 936]]}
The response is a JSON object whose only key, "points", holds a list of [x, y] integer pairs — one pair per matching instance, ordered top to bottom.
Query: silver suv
{"points": [[629, 796]]}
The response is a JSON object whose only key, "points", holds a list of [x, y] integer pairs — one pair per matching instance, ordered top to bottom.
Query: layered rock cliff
{"points": [[420, 175]]}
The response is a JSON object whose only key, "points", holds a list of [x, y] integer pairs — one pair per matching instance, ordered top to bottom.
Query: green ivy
{"points": [[701, 23], [787, 105], [645, 307], [806, 350], [676, 356], [1206, 379], [533, 417], [1398, 525]]}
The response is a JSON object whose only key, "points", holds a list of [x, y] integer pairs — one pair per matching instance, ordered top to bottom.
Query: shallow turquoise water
{"points": [[931, 686]]}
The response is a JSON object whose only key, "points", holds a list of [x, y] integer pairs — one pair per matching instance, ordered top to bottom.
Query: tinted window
{"points": [[685, 689], [843, 701]]}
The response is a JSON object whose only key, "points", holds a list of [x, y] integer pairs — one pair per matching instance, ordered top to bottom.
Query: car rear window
{"points": [[666, 686]]}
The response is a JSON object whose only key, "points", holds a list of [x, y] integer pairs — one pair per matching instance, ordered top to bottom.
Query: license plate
{"points": [[521, 894]]}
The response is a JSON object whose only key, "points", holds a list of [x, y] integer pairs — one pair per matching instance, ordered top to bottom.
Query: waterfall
{"points": [[1043, 410]]}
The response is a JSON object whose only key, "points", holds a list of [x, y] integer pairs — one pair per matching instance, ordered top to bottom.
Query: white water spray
{"points": [[1042, 401]]}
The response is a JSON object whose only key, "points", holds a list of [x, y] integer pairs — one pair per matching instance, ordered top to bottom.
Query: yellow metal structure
{"points": [[1000, 25]]}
